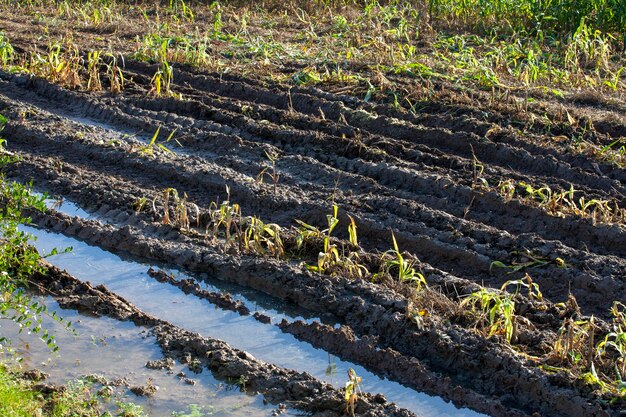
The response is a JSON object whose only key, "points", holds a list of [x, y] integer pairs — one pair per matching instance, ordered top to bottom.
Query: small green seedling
{"points": [[149, 148], [353, 390]]}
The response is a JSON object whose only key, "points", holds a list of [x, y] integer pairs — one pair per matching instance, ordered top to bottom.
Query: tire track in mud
{"points": [[530, 161], [382, 191], [118, 194], [447, 242], [276, 384]]}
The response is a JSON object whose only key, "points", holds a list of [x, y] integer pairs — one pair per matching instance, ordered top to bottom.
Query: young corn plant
{"points": [[179, 7], [7, 53], [94, 62], [58, 66], [115, 75], [162, 80], [152, 145], [270, 171], [478, 181], [562, 203], [139, 204], [179, 208], [227, 217], [305, 233], [352, 234], [262, 238], [330, 255], [332, 260], [394, 260], [529, 260], [527, 282], [495, 312], [574, 343], [614, 343], [353, 390]]}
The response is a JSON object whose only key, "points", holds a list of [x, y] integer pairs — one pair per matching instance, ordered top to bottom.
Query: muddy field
{"points": [[435, 180]]}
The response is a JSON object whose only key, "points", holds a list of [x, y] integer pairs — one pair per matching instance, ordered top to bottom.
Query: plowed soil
{"points": [[413, 174]]}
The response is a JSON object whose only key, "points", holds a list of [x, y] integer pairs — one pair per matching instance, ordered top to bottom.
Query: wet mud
{"points": [[414, 175]]}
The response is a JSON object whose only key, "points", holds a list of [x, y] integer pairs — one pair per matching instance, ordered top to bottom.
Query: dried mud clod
{"points": [[163, 364], [147, 390]]}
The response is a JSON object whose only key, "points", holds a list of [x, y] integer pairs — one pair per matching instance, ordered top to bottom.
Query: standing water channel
{"points": [[121, 350]]}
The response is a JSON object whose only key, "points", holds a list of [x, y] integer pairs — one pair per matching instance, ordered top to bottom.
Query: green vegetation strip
{"points": [[22, 397]]}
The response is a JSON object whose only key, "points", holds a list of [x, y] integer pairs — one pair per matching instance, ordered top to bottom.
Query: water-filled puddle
{"points": [[119, 351]]}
